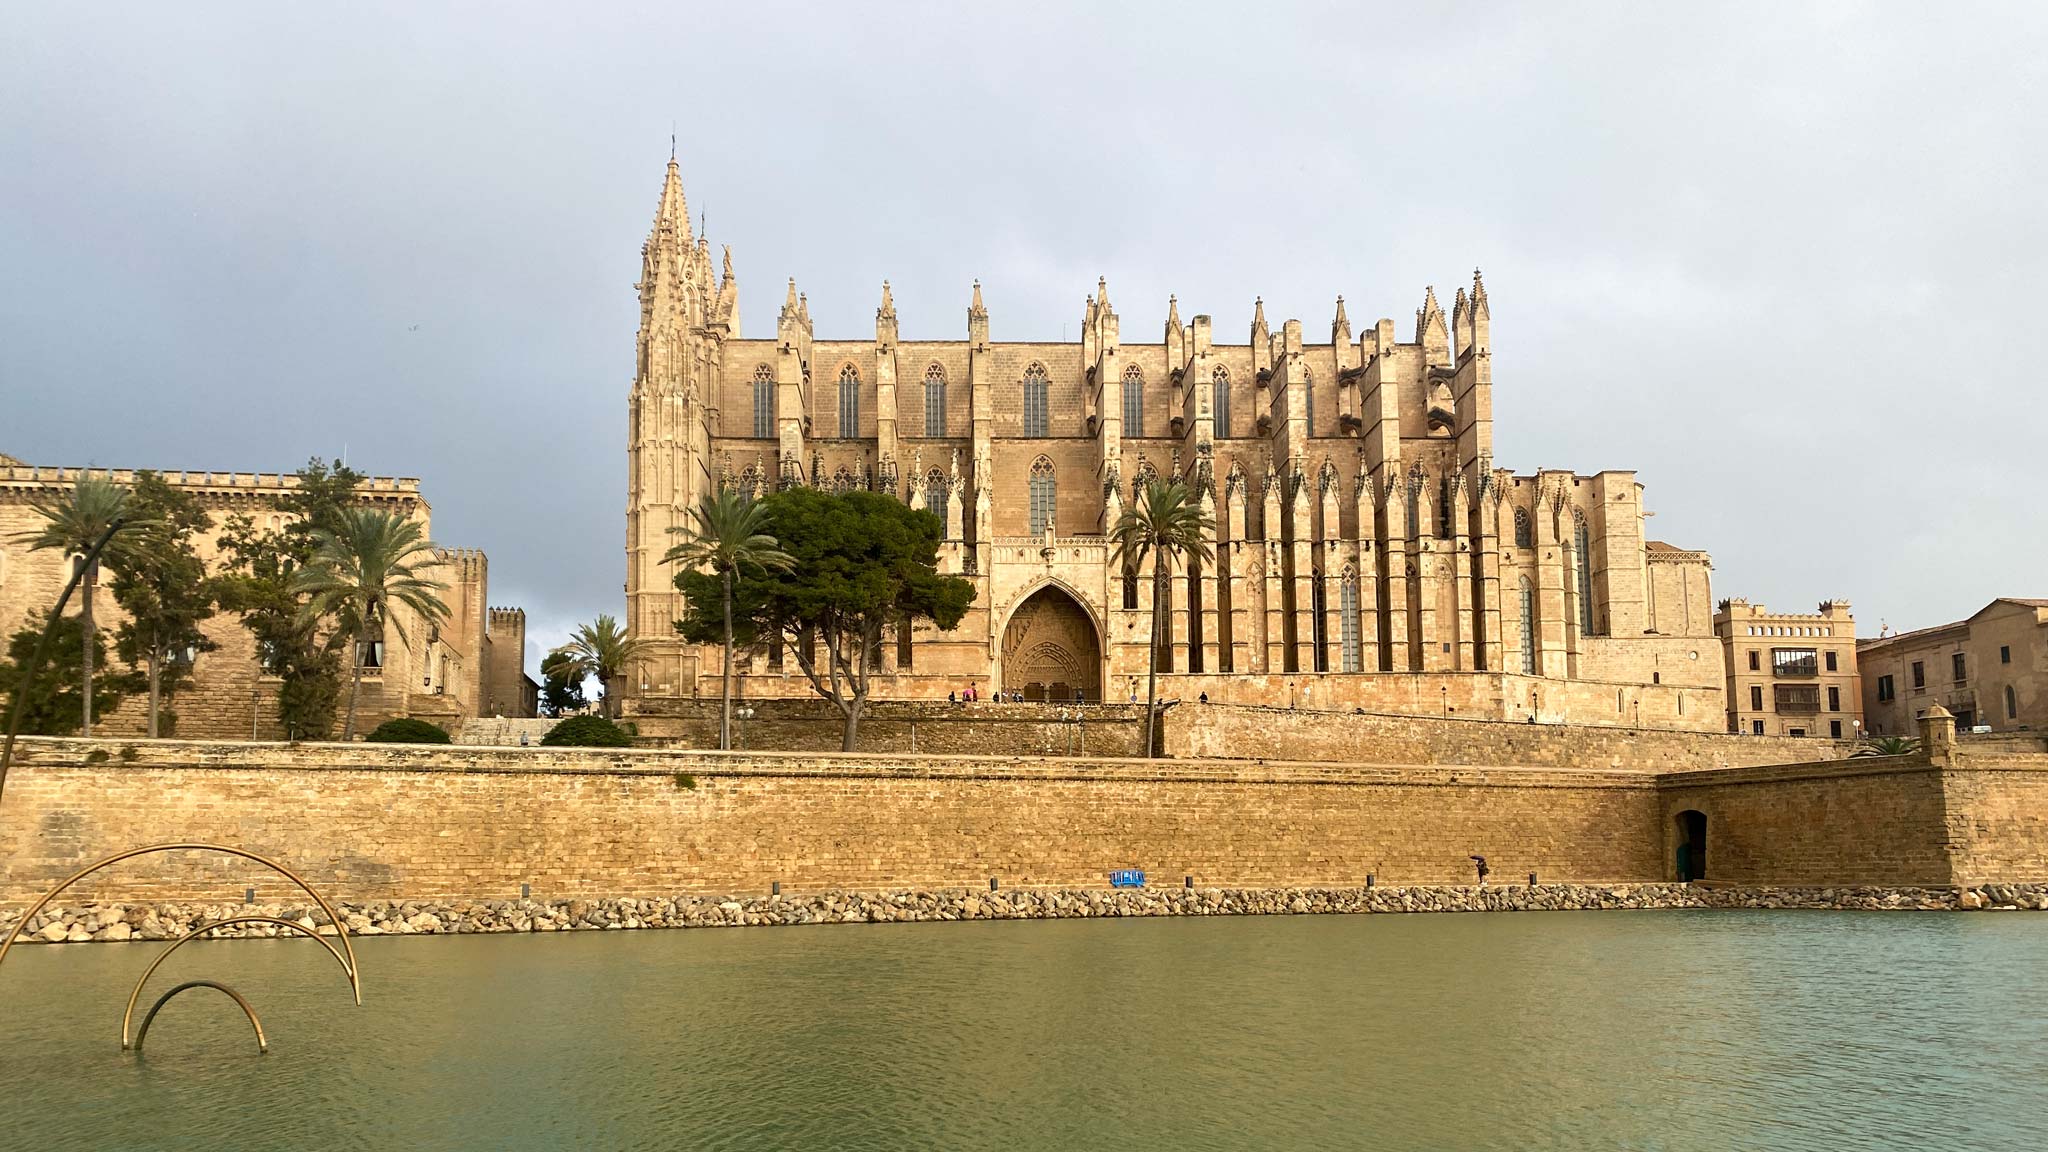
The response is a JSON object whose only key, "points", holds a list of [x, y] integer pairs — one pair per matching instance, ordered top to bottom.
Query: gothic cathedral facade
{"points": [[1368, 553]]}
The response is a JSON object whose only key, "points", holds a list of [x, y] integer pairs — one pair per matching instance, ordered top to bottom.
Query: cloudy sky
{"points": [[1779, 260]]}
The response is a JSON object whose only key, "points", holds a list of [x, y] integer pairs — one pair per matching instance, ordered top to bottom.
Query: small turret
{"points": [[729, 298], [1481, 317], [977, 318], [885, 321], [1461, 323], [1430, 330], [1176, 337], [1262, 338]]}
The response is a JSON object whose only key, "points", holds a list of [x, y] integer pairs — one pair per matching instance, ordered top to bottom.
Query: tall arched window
{"points": [[935, 401], [1134, 401], [849, 402], [1220, 402], [1308, 402], [764, 403], [1037, 420], [937, 492], [1043, 494], [1444, 511], [1525, 534], [1582, 545], [1347, 609], [1528, 627], [2012, 704]]}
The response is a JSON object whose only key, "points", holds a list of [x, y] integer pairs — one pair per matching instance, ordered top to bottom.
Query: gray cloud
{"points": [[1775, 258]]}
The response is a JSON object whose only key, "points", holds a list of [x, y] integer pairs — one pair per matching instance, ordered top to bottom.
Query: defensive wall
{"points": [[928, 727], [1189, 729], [407, 822]]}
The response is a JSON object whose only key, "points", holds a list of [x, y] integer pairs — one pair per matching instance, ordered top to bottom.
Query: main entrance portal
{"points": [[1050, 650]]}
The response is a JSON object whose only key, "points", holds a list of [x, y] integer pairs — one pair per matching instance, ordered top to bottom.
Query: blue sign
{"points": [[1127, 878]]}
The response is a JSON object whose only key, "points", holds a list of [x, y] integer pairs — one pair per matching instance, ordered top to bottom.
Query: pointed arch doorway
{"points": [[1050, 649]]}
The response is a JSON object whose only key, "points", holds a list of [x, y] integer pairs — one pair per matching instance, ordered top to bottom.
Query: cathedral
{"points": [[1368, 554]]}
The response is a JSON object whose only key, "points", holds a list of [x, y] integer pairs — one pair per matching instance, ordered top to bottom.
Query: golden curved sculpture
{"points": [[295, 926], [346, 957], [262, 1045]]}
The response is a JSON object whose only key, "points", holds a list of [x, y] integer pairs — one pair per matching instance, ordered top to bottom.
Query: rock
{"points": [[1970, 901], [115, 931], [54, 933]]}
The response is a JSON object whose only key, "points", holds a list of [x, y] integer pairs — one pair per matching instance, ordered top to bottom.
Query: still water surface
{"points": [[1679, 1030]]}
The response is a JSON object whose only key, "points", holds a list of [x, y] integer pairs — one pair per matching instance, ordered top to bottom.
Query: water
{"points": [[1680, 1030]]}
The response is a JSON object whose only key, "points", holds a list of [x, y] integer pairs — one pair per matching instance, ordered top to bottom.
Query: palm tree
{"points": [[72, 523], [1168, 524], [727, 538], [371, 559], [604, 650], [1887, 746]]}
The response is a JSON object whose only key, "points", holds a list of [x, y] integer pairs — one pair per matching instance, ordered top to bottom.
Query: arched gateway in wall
{"points": [[1050, 649]]}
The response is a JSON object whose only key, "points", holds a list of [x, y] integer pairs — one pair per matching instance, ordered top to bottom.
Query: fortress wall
{"points": [[934, 728], [1197, 730], [1997, 817], [1874, 820], [415, 823]]}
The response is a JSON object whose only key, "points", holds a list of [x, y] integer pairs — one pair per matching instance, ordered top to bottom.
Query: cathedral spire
{"points": [[672, 215], [1102, 293], [1479, 295], [789, 300], [888, 309], [975, 309], [1173, 311], [1342, 320]]}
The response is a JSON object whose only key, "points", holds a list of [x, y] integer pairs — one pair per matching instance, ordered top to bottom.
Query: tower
{"points": [[685, 318]]}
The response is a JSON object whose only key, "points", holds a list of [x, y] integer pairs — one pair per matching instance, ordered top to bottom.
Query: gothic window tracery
{"points": [[935, 401], [1134, 401], [849, 402], [1220, 402], [764, 403], [1037, 418], [936, 494], [1043, 495], [1525, 533], [1583, 555], [1347, 605], [1528, 627]]}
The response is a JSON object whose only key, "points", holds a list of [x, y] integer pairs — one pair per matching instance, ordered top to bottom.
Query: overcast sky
{"points": [[1784, 261]]}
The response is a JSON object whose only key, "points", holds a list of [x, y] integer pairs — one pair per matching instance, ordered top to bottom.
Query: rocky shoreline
{"points": [[118, 922]]}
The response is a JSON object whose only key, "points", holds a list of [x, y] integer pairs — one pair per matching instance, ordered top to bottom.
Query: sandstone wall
{"points": [[927, 727], [1198, 730], [1997, 818], [1875, 820], [415, 823]]}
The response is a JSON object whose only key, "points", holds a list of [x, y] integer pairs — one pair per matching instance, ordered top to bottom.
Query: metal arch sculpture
{"points": [[346, 957], [128, 1016], [262, 1045]]}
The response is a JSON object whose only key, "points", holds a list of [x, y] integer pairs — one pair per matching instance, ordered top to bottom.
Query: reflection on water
{"points": [[1680, 1030]]}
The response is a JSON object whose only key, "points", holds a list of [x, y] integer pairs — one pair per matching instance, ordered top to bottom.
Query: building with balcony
{"points": [[1367, 552], [1990, 670], [1790, 674]]}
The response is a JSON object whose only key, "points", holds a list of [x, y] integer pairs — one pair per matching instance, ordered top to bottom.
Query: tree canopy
{"points": [[863, 563], [161, 583], [304, 653]]}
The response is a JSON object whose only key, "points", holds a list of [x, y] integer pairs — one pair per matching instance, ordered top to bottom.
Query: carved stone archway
{"points": [[1050, 649]]}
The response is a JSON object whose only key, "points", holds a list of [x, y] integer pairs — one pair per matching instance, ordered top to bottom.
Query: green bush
{"points": [[406, 730], [587, 732]]}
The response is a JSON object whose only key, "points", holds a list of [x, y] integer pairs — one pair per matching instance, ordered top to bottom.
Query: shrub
{"points": [[406, 730], [587, 732], [686, 782]]}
